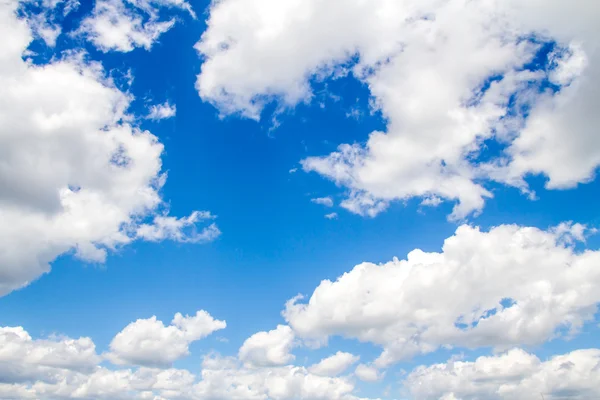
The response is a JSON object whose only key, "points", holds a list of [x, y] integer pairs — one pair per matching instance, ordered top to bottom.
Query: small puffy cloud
{"points": [[123, 25], [159, 112], [324, 201], [432, 201], [331, 215], [183, 230], [506, 287], [148, 342], [268, 348], [334, 365], [367, 373], [514, 375]]}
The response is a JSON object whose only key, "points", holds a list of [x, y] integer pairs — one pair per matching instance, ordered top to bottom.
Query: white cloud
{"points": [[44, 19], [122, 25], [426, 64], [162, 111], [76, 175], [324, 201], [432, 201], [331, 216], [182, 230], [506, 287], [148, 342], [268, 348], [22, 358], [334, 365], [64, 368], [367, 373], [513, 375], [224, 379], [106, 384]]}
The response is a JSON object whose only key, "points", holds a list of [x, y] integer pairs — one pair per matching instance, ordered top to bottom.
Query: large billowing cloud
{"points": [[447, 75], [76, 173], [507, 287], [513, 375]]}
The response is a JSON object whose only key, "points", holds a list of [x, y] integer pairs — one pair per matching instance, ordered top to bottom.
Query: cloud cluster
{"points": [[449, 76], [77, 175], [505, 288], [64, 368], [514, 375]]}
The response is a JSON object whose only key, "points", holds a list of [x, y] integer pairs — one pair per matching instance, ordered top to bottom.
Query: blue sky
{"points": [[257, 165]]}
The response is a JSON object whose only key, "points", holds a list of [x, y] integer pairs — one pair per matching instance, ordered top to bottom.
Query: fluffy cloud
{"points": [[122, 25], [448, 75], [162, 111], [76, 174], [324, 201], [506, 287], [149, 342], [268, 348], [22, 358], [334, 365], [63, 368], [367, 373], [513, 375], [224, 379], [103, 383]]}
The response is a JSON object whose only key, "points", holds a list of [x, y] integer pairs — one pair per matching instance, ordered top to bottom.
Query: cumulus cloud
{"points": [[123, 25], [447, 75], [162, 111], [76, 175], [324, 201], [331, 215], [506, 287], [148, 342], [269, 348], [23, 358], [334, 365], [61, 367], [66, 368], [367, 373], [514, 375], [225, 379]]}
